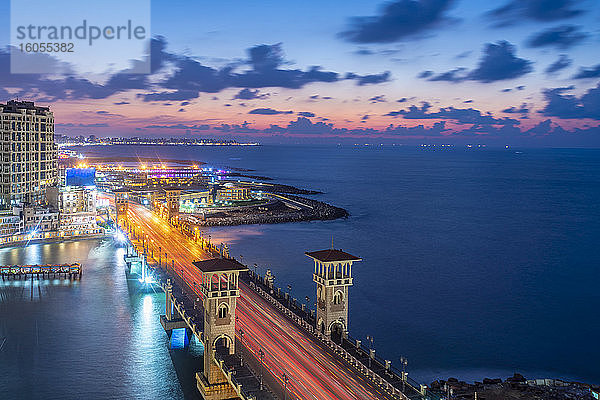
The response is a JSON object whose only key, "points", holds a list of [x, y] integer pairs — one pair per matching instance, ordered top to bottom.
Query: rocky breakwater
{"points": [[290, 209], [515, 387]]}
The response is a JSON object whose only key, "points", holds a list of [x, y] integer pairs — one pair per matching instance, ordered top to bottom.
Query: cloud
{"points": [[534, 10], [397, 20], [562, 37], [265, 62], [497, 63], [560, 64], [587, 73], [455, 75], [177, 77], [369, 79], [248, 94], [175, 95], [316, 96], [378, 99], [402, 100], [121, 103], [568, 106], [517, 110], [268, 111], [106, 113], [306, 114], [460, 115], [92, 125], [304, 126], [202, 127]]}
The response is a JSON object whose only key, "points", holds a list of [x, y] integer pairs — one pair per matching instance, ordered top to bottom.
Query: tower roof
{"points": [[332, 255], [219, 264]]}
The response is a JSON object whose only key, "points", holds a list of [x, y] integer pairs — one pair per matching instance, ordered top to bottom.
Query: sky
{"points": [[516, 72]]}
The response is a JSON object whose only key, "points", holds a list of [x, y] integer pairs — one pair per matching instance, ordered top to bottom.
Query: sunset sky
{"points": [[440, 71]]}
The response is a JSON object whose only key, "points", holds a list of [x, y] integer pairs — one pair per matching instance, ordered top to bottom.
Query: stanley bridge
{"points": [[258, 342]]}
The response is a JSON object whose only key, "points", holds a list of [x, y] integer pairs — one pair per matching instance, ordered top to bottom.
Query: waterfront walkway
{"points": [[73, 271]]}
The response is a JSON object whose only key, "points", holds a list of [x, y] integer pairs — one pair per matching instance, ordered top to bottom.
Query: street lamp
{"points": [[255, 273], [370, 339], [242, 343], [261, 354], [403, 361], [285, 382]]}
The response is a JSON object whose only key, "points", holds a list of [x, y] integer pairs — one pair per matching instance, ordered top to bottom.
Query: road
{"points": [[314, 372]]}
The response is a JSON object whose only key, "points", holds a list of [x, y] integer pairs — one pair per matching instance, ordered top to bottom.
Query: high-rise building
{"points": [[28, 154]]}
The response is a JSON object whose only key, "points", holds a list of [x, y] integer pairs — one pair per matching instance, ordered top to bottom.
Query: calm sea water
{"points": [[476, 262], [98, 338]]}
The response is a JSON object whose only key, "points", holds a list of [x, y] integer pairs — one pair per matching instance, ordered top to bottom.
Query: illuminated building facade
{"points": [[27, 152], [230, 192], [10, 223], [333, 276]]}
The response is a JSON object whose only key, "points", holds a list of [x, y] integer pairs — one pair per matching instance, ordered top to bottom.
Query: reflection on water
{"points": [[94, 338]]}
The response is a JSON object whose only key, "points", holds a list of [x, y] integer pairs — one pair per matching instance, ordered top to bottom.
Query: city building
{"points": [[28, 154], [231, 192], [77, 207], [40, 219], [10, 222]]}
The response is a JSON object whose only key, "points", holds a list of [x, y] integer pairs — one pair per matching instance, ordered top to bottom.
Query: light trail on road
{"points": [[314, 372]]}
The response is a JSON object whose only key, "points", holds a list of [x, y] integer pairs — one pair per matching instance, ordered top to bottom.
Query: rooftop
{"points": [[15, 106], [332, 255], [219, 264]]}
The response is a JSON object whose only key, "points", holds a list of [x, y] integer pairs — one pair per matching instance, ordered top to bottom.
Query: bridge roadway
{"points": [[313, 371]]}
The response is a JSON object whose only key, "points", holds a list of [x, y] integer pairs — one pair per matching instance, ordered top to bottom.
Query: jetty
{"points": [[73, 271]]}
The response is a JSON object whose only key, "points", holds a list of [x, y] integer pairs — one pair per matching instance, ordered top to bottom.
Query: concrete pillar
{"points": [[168, 304]]}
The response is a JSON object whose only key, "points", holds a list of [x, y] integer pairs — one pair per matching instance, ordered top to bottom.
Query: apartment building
{"points": [[28, 154]]}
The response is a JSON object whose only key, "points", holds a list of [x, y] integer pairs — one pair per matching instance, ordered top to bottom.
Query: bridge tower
{"points": [[173, 196], [122, 205], [333, 276], [220, 290]]}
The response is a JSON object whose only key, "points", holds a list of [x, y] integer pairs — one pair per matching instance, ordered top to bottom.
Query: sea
{"points": [[476, 262]]}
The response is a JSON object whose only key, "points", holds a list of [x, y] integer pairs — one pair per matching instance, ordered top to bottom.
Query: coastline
{"points": [[18, 243]]}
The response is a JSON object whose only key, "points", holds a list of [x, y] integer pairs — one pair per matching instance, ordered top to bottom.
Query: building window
{"points": [[338, 297], [223, 310]]}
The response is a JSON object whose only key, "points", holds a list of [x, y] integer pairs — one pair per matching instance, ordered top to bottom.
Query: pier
{"points": [[73, 271]]}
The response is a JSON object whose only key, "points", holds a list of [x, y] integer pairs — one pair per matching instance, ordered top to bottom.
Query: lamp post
{"points": [[255, 271], [370, 339], [241, 342], [261, 354], [404, 362], [285, 382]]}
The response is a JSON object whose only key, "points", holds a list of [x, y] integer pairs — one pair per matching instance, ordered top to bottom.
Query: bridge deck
{"points": [[241, 372]]}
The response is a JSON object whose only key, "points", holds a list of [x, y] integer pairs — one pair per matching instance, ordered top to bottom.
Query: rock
{"points": [[517, 378], [488, 381]]}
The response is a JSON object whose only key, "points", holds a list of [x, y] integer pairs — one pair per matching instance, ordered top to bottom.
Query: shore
{"points": [[516, 387]]}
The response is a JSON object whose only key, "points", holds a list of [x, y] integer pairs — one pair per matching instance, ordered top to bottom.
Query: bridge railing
{"points": [[381, 372]]}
